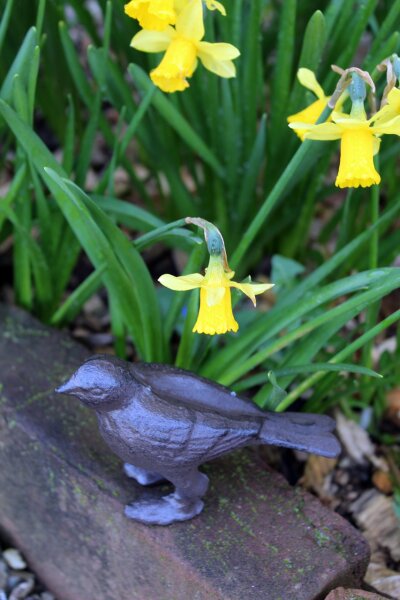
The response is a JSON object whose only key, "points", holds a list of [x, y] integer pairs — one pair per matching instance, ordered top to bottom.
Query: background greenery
{"points": [[220, 150]]}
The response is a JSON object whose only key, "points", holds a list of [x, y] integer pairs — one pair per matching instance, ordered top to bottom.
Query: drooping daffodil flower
{"points": [[183, 47], [360, 141], [215, 314]]}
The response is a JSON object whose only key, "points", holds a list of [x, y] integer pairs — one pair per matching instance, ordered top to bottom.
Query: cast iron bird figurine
{"points": [[164, 422]]}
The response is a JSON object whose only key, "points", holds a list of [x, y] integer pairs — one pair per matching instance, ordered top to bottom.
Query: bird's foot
{"points": [[141, 475], [164, 511]]}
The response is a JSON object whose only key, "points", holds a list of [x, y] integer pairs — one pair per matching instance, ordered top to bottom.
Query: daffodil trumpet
{"points": [[183, 47]]}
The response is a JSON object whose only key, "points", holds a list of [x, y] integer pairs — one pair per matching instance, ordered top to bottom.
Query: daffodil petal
{"points": [[180, 5], [214, 5], [189, 23], [153, 41], [219, 51], [217, 58], [223, 68], [308, 80], [390, 110], [387, 127], [325, 131], [376, 144], [182, 283], [252, 289]]}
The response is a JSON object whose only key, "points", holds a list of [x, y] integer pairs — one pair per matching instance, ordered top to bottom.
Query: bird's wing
{"points": [[193, 391]]}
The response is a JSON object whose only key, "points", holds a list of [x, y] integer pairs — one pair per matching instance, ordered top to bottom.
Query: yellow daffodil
{"points": [[155, 15], [183, 47], [391, 108], [311, 113], [359, 142], [215, 314]]}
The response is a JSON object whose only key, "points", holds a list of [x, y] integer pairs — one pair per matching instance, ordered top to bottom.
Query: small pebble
{"points": [[14, 559], [3, 574], [22, 590]]}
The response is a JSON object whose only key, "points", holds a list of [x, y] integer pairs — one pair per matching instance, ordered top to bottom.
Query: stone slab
{"points": [[62, 495], [342, 594]]}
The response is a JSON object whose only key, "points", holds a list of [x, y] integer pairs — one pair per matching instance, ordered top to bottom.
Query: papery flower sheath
{"points": [[183, 47], [360, 140], [215, 313]]}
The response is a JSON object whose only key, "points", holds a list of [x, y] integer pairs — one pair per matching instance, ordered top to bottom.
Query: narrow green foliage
{"points": [[5, 21], [280, 88], [174, 118], [221, 150]]}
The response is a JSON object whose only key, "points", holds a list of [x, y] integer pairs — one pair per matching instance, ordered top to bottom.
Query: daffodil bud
{"points": [[396, 66], [357, 89], [214, 240]]}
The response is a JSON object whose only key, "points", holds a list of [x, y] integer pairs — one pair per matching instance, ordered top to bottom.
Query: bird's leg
{"points": [[141, 475], [185, 503]]}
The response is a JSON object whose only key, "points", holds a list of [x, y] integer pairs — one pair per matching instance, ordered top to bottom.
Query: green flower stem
{"points": [[40, 17], [273, 197], [345, 224], [147, 238], [295, 242], [374, 248], [373, 310], [368, 336], [188, 339]]}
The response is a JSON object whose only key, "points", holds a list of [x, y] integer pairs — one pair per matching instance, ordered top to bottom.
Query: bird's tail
{"points": [[301, 431]]}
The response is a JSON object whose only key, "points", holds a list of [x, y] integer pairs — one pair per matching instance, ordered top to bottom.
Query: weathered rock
{"points": [[62, 496], [342, 594]]}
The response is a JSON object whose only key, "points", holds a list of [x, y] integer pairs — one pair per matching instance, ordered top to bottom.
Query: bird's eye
{"points": [[96, 391]]}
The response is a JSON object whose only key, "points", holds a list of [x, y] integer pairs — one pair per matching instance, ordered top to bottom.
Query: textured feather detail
{"points": [[310, 433]]}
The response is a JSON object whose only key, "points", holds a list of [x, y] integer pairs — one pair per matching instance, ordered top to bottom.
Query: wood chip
{"points": [[393, 406], [355, 439], [357, 443], [317, 475], [382, 481], [374, 514], [383, 579], [21, 591]]}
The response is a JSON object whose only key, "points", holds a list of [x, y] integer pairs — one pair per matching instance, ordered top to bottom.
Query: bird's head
{"points": [[100, 382]]}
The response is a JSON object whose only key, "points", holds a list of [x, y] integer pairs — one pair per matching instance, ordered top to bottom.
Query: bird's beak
{"points": [[66, 388]]}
